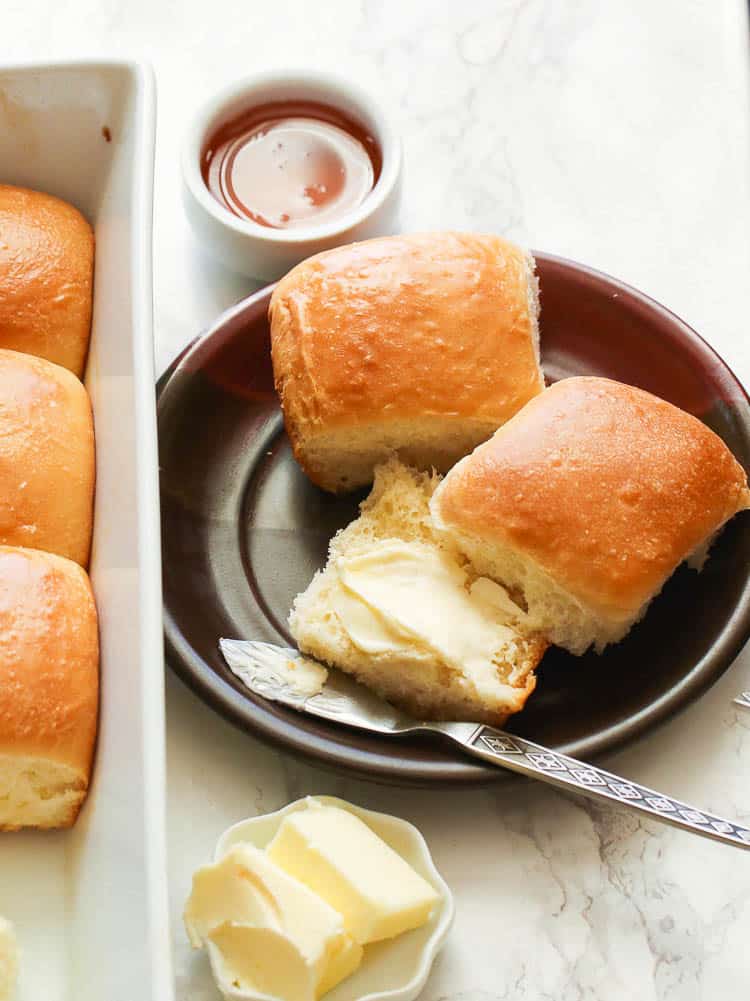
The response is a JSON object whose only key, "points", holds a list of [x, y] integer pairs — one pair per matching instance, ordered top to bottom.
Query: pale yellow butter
{"points": [[409, 596], [304, 676], [340, 859], [272, 933], [260, 960]]}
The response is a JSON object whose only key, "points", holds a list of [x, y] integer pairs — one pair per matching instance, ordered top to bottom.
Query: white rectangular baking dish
{"points": [[90, 905]]}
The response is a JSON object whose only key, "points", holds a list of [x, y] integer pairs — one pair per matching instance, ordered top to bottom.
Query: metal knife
{"points": [[260, 666], [743, 700]]}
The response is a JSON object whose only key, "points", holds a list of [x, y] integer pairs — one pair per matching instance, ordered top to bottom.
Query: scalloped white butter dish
{"points": [[395, 969]]}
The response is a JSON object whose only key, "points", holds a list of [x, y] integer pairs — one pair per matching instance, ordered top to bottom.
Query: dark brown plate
{"points": [[243, 531]]}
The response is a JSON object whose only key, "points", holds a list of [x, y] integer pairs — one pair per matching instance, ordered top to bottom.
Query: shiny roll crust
{"points": [[46, 277], [420, 345], [46, 458], [587, 501], [49, 655]]}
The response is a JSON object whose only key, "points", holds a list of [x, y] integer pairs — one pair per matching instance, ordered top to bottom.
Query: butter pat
{"points": [[301, 675], [340, 859], [272, 934], [8, 960], [263, 961]]}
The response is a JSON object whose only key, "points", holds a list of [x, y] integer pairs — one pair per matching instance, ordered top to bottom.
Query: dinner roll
{"points": [[46, 277], [421, 345], [46, 457], [587, 501], [49, 653], [404, 659]]}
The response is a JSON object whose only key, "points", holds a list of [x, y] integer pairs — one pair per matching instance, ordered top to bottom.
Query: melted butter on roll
{"points": [[401, 596]]}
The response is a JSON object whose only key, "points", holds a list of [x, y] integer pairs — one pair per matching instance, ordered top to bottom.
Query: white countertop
{"points": [[615, 133]]}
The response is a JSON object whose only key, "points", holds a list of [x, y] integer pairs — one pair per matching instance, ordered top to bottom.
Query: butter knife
{"points": [[260, 666], [743, 700]]}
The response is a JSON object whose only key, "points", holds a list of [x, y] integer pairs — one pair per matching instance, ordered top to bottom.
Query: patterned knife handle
{"points": [[743, 700], [520, 755]]}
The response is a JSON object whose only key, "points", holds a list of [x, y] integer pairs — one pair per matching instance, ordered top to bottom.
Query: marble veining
{"points": [[615, 133]]}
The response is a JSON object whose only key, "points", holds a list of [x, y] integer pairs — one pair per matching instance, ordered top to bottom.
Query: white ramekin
{"points": [[260, 251]]}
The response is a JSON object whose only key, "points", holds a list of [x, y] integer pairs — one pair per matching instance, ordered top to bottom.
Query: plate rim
{"points": [[242, 712]]}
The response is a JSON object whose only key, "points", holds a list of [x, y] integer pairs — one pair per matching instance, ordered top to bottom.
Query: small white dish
{"points": [[261, 251], [396, 969]]}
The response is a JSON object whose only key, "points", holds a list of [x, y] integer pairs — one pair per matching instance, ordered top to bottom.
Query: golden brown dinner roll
{"points": [[46, 277], [421, 345], [46, 457], [587, 501], [49, 655]]}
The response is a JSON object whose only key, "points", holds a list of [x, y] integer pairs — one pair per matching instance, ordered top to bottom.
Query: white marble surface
{"points": [[615, 133]]}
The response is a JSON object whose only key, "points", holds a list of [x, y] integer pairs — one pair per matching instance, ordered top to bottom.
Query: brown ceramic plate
{"points": [[243, 531]]}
